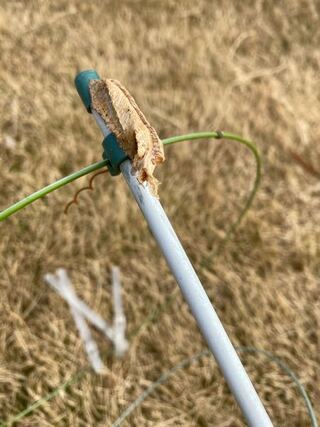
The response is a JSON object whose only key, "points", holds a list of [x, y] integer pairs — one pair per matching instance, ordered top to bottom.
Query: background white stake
{"points": [[61, 283], [81, 311], [119, 321]]}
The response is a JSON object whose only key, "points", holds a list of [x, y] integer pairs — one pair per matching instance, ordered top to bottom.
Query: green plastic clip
{"points": [[82, 81], [113, 153]]}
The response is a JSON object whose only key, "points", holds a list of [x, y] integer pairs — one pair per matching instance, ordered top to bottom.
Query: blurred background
{"points": [[247, 67]]}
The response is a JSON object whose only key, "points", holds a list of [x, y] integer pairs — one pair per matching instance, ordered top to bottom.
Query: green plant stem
{"points": [[187, 137], [232, 137], [49, 189], [290, 374], [74, 379]]}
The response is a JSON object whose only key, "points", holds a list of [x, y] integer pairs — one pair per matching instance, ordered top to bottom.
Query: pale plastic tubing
{"points": [[196, 297]]}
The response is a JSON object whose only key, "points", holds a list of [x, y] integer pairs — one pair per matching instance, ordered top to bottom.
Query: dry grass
{"points": [[248, 67]]}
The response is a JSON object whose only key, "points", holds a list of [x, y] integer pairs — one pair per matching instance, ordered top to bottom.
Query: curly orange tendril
{"points": [[74, 201], [13, 209]]}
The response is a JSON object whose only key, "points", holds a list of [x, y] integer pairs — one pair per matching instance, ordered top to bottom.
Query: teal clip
{"points": [[82, 81], [113, 153]]}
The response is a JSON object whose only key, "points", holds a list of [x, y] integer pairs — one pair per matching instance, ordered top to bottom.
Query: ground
{"points": [[250, 67]]}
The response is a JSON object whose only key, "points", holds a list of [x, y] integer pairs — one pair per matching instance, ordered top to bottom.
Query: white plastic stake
{"points": [[57, 282], [61, 283], [195, 295], [81, 311], [119, 320], [89, 343]]}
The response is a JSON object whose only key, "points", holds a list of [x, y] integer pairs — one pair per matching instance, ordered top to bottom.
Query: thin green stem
{"points": [[232, 137], [91, 168], [49, 188], [291, 375], [74, 379]]}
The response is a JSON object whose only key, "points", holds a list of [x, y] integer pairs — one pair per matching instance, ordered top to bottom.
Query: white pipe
{"points": [[195, 295]]}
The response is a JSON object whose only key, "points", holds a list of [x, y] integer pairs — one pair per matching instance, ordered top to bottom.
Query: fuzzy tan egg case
{"points": [[134, 133]]}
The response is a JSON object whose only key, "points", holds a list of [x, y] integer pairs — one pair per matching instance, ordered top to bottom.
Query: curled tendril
{"points": [[88, 187]]}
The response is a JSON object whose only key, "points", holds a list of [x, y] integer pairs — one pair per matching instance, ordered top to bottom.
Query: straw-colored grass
{"points": [[250, 67]]}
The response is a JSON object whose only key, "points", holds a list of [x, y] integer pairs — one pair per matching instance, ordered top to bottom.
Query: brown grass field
{"points": [[249, 67]]}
